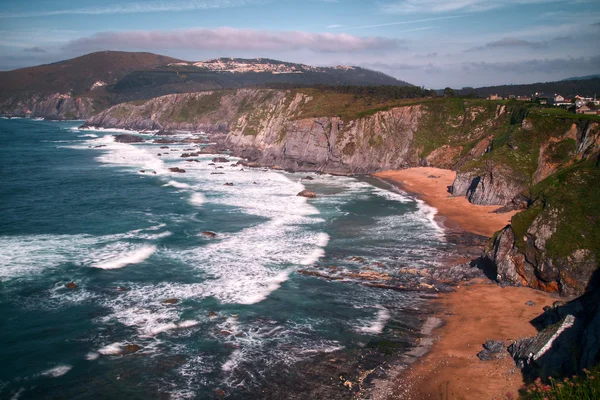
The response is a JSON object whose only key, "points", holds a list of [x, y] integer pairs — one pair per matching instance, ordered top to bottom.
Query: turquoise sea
{"points": [[240, 321]]}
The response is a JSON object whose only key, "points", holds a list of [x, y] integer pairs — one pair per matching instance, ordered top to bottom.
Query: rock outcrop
{"points": [[59, 106], [497, 185], [568, 341]]}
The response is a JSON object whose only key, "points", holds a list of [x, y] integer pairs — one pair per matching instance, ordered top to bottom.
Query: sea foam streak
{"points": [[134, 257], [377, 325], [57, 371]]}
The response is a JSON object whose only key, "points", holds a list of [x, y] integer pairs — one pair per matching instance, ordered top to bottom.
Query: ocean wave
{"points": [[135, 256], [376, 326], [57, 371]]}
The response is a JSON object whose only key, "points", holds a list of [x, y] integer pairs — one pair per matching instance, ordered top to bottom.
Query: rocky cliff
{"points": [[56, 106], [275, 128], [515, 156]]}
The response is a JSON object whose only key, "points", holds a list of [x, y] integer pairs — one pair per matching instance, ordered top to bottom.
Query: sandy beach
{"points": [[431, 185], [474, 313]]}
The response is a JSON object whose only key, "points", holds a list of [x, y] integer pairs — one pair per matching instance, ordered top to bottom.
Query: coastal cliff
{"points": [[58, 106], [513, 155]]}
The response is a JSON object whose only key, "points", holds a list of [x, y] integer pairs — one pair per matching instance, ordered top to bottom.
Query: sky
{"points": [[430, 43]]}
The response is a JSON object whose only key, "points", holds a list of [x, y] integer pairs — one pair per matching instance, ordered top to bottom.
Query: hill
{"points": [[78, 74], [580, 78], [80, 87], [567, 88]]}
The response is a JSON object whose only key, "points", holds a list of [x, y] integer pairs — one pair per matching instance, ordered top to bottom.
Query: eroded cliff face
{"points": [[56, 106], [267, 127], [508, 156], [554, 245]]}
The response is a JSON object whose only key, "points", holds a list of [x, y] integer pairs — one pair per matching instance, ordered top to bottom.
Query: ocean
{"points": [[161, 310]]}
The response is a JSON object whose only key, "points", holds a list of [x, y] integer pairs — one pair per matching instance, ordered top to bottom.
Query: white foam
{"points": [[88, 135], [177, 185], [197, 199], [429, 213], [322, 239], [134, 257], [313, 257], [264, 289], [187, 324], [376, 326], [160, 328], [111, 349], [91, 356], [232, 361], [57, 371]]}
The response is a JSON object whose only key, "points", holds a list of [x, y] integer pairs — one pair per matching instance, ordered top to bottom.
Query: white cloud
{"points": [[436, 6], [142, 7], [226, 38]]}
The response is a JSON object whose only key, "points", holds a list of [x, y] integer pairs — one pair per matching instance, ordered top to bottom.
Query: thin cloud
{"points": [[436, 6], [135, 8], [399, 23], [231, 39], [508, 43], [35, 49]]}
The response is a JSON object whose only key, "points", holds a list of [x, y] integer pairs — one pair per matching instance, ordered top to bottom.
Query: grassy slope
{"points": [[575, 193]]}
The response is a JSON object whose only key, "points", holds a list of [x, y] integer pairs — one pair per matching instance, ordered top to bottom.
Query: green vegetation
{"points": [[197, 106], [446, 122], [561, 151], [571, 197], [581, 387]]}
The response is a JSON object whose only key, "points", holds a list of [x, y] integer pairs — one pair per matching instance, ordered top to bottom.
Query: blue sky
{"points": [[426, 42]]}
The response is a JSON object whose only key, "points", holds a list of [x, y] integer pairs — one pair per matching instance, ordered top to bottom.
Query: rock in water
{"points": [[127, 138], [220, 160], [177, 169], [307, 193], [209, 234], [71, 285], [170, 301], [131, 348]]}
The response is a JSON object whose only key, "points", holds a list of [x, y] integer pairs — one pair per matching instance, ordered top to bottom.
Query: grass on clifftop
{"points": [[573, 195]]}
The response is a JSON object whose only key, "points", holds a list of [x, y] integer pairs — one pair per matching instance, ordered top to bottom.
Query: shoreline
{"points": [[453, 212], [447, 366]]}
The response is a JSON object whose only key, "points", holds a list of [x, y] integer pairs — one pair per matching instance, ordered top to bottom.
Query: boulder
{"points": [[127, 138], [220, 160], [177, 169], [308, 178], [228, 184], [307, 193], [209, 234], [71, 285], [170, 301], [131, 348]]}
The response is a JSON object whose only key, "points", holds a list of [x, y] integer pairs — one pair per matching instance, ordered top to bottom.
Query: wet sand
{"points": [[431, 185]]}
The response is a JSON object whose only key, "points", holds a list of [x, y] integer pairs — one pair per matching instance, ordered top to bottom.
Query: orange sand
{"points": [[457, 210], [473, 314]]}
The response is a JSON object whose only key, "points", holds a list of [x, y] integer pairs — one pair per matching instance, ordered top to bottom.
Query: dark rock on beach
{"points": [[220, 160]]}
